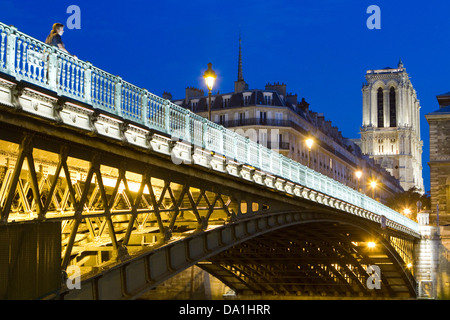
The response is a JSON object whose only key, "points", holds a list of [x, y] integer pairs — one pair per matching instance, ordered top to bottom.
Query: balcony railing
{"points": [[30, 60], [257, 122]]}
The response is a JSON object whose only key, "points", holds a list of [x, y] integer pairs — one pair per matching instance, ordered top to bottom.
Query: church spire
{"points": [[240, 73], [240, 84]]}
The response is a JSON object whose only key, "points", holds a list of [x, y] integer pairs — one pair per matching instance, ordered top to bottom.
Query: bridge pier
{"points": [[30, 256]]}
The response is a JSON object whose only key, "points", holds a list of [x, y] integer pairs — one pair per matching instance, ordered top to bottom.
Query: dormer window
{"points": [[247, 96], [268, 98], [226, 101], [194, 104]]}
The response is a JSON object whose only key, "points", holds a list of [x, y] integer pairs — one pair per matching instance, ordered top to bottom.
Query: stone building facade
{"points": [[278, 120], [439, 123], [390, 132]]}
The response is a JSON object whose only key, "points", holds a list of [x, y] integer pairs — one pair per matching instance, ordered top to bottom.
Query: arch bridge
{"points": [[104, 179]]}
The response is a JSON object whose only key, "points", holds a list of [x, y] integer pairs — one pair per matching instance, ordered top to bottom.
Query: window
{"points": [[246, 99], [392, 108], [380, 109], [263, 117], [241, 118], [278, 118], [222, 119], [263, 137]]}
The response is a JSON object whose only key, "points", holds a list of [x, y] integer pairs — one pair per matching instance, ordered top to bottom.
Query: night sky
{"points": [[319, 49]]}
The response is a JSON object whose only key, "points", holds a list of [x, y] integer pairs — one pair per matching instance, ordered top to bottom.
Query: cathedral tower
{"points": [[390, 133]]}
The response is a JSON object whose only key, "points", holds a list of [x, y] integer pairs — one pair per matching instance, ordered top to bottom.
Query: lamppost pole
{"points": [[209, 105]]}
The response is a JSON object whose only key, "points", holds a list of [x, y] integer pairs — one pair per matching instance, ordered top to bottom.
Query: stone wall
{"points": [[439, 166]]}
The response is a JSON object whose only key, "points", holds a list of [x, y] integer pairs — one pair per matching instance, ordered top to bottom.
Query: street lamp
{"points": [[210, 77], [309, 144], [358, 176], [373, 184], [371, 244]]}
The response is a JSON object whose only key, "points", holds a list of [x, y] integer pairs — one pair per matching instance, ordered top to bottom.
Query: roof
{"points": [[444, 94], [236, 100], [443, 110]]}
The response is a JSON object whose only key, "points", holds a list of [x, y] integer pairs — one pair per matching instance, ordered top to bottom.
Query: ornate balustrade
{"points": [[29, 60]]}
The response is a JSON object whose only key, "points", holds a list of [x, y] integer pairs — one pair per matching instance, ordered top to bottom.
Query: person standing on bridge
{"points": [[54, 38]]}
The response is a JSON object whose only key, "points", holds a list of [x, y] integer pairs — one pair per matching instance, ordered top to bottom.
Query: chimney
{"points": [[280, 88], [192, 92], [292, 98], [304, 105], [320, 120]]}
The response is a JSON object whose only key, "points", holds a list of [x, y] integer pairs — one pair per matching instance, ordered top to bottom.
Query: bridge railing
{"points": [[31, 60]]}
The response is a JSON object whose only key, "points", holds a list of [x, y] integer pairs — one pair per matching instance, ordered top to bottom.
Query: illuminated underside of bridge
{"points": [[96, 173], [323, 258]]}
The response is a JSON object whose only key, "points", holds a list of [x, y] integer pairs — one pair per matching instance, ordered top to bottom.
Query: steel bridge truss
{"points": [[102, 209], [315, 258]]}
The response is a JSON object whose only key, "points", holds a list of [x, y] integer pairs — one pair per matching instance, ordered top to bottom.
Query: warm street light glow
{"points": [[210, 77], [309, 143], [358, 174], [373, 184], [407, 211], [371, 245], [409, 265]]}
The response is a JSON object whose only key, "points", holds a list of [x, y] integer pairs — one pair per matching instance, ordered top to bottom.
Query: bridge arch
{"points": [[236, 254]]}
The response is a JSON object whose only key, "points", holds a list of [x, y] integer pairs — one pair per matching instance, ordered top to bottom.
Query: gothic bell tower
{"points": [[390, 132]]}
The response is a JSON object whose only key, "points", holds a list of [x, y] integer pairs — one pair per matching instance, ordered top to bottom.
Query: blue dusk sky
{"points": [[320, 49]]}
